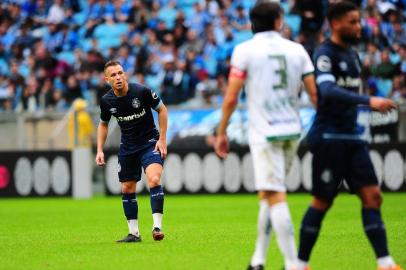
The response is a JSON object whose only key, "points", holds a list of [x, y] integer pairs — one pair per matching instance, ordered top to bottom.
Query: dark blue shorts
{"points": [[336, 161], [129, 167]]}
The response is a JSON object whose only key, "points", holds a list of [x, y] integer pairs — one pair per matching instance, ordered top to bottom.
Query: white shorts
{"points": [[272, 161]]}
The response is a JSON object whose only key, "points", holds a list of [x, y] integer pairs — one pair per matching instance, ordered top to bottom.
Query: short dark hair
{"points": [[339, 9], [264, 14], [111, 63]]}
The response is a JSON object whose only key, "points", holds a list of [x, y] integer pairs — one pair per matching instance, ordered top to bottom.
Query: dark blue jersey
{"points": [[337, 72], [134, 116]]}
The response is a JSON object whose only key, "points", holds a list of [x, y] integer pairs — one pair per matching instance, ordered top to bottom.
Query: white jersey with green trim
{"points": [[273, 68]]}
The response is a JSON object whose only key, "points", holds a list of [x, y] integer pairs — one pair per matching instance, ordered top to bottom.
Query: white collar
{"points": [[267, 34]]}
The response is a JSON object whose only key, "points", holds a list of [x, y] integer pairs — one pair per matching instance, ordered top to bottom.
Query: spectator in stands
{"points": [[119, 11], [56, 12], [240, 20], [41, 35], [399, 35], [193, 42], [126, 59], [385, 69], [15, 76], [29, 97]]}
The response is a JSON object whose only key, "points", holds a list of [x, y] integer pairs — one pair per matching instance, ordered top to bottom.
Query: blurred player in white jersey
{"points": [[273, 69]]}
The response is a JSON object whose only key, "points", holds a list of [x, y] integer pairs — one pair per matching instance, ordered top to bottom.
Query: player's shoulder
{"points": [[292, 45], [244, 46], [325, 48], [137, 87], [109, 95]]}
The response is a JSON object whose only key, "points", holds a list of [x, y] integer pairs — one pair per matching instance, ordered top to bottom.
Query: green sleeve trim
{"points": [[307, 74], [283, 138]]}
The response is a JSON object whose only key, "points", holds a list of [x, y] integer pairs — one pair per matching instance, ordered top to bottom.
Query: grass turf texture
{"points": [[202, 232]]}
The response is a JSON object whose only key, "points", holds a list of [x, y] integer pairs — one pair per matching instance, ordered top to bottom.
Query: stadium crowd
{"points": [[52, 52]]}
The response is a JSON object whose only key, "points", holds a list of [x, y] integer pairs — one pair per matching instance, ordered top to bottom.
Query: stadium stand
{"points": [[52, 52]]}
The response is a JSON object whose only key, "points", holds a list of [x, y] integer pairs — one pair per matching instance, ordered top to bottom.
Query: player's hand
{"points": [[382, 105], [221, 146], [161, 147], [100, 159]]}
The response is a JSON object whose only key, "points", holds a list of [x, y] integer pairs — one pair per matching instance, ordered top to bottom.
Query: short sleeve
{"points": [[239, 62], [307, 65], [324, 67], [152, 99], [105, 114]]}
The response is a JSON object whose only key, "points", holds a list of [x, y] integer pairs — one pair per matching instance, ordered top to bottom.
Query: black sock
{"points": [[157, 199], [130, 206], [375, 231], [309, 232]]}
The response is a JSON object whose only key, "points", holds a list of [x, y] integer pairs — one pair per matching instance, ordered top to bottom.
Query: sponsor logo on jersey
{"points": [[323, 63], [343, 66], [349, 82], [136, 103], [113, 110], [131, 117]]}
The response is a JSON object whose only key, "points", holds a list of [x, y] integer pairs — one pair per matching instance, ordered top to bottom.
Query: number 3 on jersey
{"points": [[280, 72]]}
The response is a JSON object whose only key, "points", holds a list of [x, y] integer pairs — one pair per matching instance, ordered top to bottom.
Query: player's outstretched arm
{"points": [[310, 85], [330, 90], [229, 105], [382, 105], [163, 126], [102, 131]]}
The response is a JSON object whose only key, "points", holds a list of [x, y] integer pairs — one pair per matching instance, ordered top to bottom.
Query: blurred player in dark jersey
{"points": [[141, 144], [338, 151]]}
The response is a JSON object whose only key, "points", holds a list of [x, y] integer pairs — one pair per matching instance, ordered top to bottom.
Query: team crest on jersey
{"points": [[324, 63], [343, 66], [154, 95], [136, 103], [113, 110]]}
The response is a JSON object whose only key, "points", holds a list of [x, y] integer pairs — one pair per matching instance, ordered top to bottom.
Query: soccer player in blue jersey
{"points": [[141, 144], [338, 152]]}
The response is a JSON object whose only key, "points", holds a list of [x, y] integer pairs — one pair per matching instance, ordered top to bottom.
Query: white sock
{"points": [[157, 217], [282, 224], [133, 227], [263, 234], [386, 261], [302, 265]]}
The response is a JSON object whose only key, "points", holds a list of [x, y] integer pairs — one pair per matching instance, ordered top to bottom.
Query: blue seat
{"points": [[168, 15], [79, 18], [293, 21], [241, 36], [107, 43], [67, 56], [153, 82], [384, 87]]}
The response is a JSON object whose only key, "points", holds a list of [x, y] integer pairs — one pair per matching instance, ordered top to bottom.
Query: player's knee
{"points": [[154, 180], [128, 187], [373, 200], [322, 204]]}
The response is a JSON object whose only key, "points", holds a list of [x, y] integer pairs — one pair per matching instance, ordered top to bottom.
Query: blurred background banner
{"points": [[193, 167], [35, 174]]}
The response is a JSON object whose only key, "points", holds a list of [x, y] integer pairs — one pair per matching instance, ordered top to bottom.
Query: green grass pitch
{"points": [[202, 232]]}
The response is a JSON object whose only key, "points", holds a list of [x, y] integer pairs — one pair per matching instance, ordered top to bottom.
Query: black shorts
{"points": [[335, 161], [129, 167]]}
